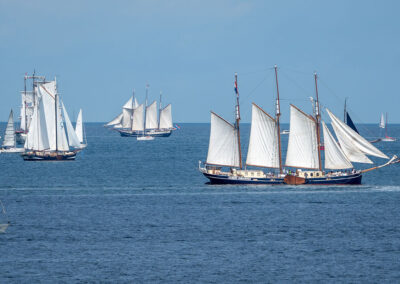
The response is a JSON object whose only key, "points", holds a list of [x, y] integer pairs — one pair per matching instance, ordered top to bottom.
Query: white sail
{"points": [[28, 100], [130, 104], [135, 105], [151, 116], [166, 117], [116, 120], [126, 121], [138, 121], [382, 122], [79, 127], [9, 137], [37, 138], [73, 139], [62, 142], [353, 143], [263, 145], [223, 147], [302, 149], [335, 158]]}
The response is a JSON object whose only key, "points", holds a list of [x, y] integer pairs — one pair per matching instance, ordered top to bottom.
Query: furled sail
{"points": [[151, 116], [166, 117], [116, 120], [138, 123], [79, 127], [9, 137], [73, 139], [352, 143], [263, 145], [223, 147], [302, 149], [335, 158]]}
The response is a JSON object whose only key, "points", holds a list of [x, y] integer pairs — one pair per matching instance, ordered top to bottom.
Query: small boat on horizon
{"points": [[383, 125], [9, 142]]}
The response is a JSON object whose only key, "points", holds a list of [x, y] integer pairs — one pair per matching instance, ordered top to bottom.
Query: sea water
{"points": [[139, 211]]}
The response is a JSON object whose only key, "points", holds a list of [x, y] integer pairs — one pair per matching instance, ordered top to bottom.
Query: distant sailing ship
{"points": [[28, 101], [130, 123], [383, 125], [79, 131], [51, 135], [9, 142], [304, 149]]}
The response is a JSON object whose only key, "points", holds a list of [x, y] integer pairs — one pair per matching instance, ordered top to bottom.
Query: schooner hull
{"points": [[127, 133], [52, 156], [225, 179]]}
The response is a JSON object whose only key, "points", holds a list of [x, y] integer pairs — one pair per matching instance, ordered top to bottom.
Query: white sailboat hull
{"points": [[12, 150]]}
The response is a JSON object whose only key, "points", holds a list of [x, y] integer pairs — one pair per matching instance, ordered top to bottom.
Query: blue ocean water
{"points": [[134, 211]]}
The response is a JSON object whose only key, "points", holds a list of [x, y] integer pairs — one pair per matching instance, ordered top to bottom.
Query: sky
{"points": [[100, 51]]}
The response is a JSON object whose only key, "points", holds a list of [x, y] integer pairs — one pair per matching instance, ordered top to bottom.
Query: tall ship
{"points": [[28, 100], [156, 122], [51, 135], [303, 163]]}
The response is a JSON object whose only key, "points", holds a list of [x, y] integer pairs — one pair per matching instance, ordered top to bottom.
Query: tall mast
{"points": [[133, 99], [145, 109], [159, 111], [277, 115], [56, 117], [237, 120], [317, 121], [26, 126]]}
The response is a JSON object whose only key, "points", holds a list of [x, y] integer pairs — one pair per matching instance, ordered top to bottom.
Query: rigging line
{"points": [[254, 72], [307, 92], [340, 99]]}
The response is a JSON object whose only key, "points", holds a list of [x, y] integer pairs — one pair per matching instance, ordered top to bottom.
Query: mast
{"points": [[133, 100], [55, 109], [145, 109], [159, 111], [277, 115], [237, 120], [317, 121], [26, 125]]}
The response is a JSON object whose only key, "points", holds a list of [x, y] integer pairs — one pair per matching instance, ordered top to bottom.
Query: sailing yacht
{"points": [[383, 125], [79, 131], [51, 135], [9, 142], [264, 147], [303, 151], [4, 223]]}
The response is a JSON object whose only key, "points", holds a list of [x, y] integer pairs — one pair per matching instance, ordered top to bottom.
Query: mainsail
{"points": [[28, 101], [151, 116], [166, 117], [382, 122], [138, 123], [79, 127], [9, 137], [37, 138], [73, 139], [263, 145], [354, 145], [223, 147], [302, 149], [335, 158]]}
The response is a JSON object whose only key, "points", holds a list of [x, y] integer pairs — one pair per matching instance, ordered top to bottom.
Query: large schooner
{"points": [[51, 135], [303, 163]]}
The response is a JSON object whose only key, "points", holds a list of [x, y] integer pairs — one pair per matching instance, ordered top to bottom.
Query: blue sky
{"points": [[101, 50]]}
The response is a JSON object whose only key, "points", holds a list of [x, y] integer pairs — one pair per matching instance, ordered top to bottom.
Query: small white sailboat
{"points": [[383, 125], [79, 130], [9, 142], [4, 223]]}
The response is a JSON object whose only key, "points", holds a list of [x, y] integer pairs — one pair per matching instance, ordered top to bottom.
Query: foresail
{"points": [[151, 116], [166, 117], [126, 118], [116, 120], [138, 121], [79, 127], [9, 137], [73, 139], [62, 142], [352, 143], [263, 145], [223, 147], [302, 149], [335, 158]]}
